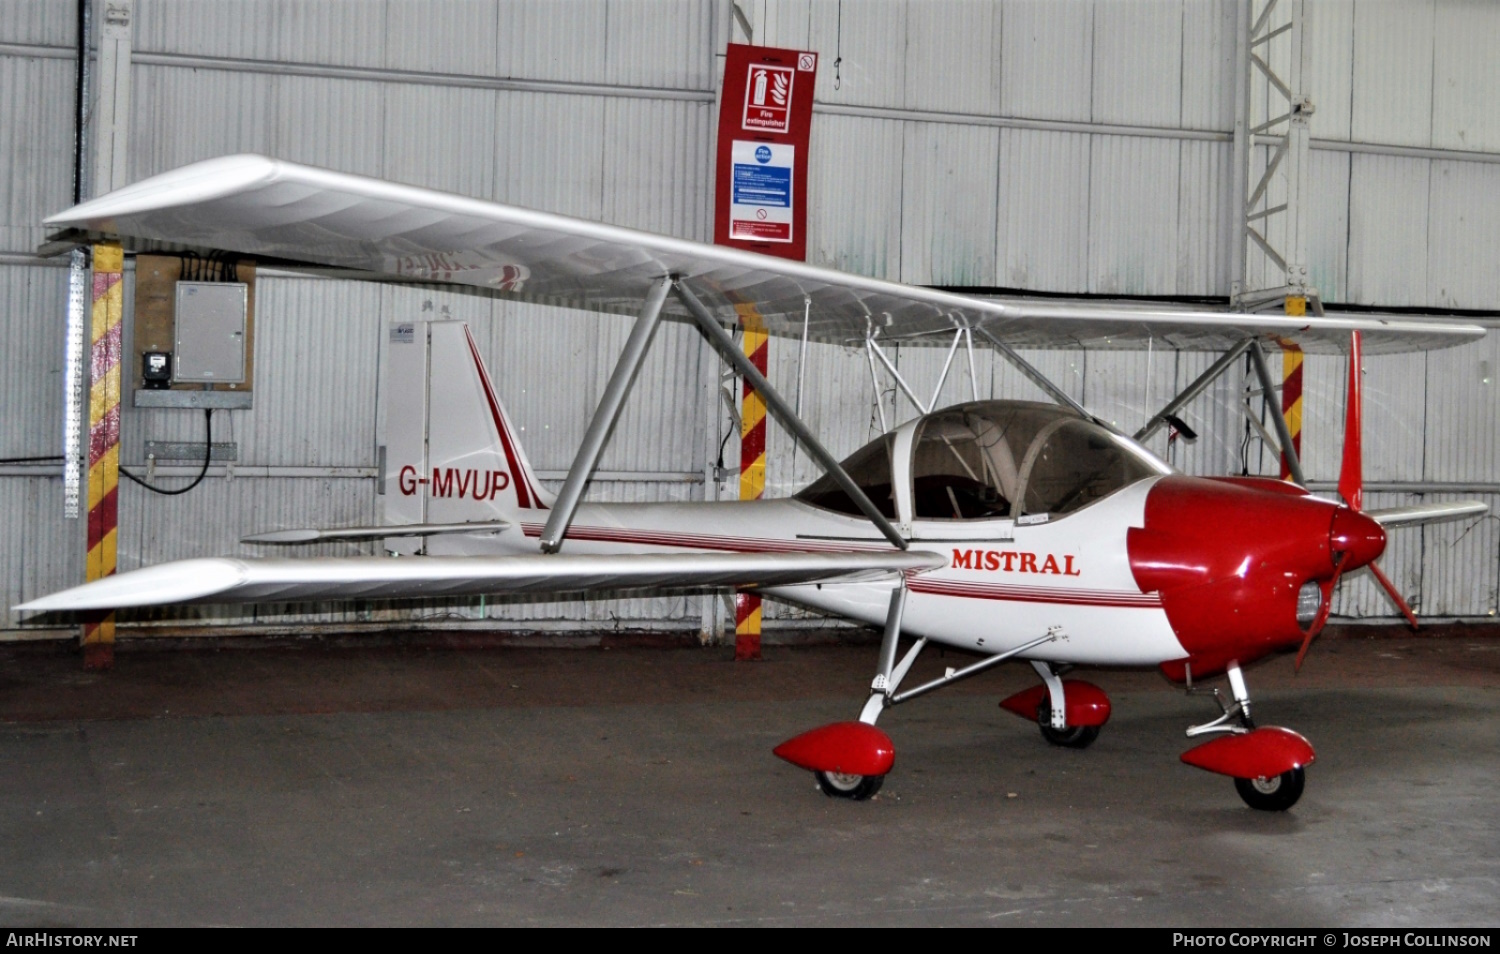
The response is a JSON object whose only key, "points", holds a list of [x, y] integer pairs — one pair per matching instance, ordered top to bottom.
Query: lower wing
{"points": [[235, 580]]}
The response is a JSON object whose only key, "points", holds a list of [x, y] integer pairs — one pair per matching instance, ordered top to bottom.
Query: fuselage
{"points": [[1048, 524]]}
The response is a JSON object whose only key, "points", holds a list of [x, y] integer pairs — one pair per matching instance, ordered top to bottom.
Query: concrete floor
{"points": [[635, 786]]}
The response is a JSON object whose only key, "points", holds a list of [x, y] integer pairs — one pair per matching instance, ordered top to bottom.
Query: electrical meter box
{"points": [[210, 346]]}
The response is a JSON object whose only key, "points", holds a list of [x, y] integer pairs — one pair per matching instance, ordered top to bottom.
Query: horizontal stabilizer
{"points": [[1428, 513], [374, 533], [234, 580]]}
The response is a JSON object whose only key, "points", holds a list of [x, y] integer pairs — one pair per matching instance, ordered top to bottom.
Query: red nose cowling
{"points": [[1355, 535], [1228, 557]]}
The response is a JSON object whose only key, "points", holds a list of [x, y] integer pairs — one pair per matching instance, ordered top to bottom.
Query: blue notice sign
{"points": [[762, 185]]}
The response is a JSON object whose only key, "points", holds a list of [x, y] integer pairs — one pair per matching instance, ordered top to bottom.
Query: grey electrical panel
{"points": [[210, 345]]}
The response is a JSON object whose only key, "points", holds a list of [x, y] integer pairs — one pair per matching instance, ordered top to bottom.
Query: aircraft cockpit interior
{"points": [[993, 459]]}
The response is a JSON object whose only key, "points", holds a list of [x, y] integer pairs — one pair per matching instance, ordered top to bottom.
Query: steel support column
{"points": [[604, 417]]}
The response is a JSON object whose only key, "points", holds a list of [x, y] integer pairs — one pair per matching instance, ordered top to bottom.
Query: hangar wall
{"points": [[1066, 147]]}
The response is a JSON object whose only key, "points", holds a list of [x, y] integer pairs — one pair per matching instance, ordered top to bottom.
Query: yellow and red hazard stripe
{"points": [[1291, 388], [104, 442], [747, 606]]}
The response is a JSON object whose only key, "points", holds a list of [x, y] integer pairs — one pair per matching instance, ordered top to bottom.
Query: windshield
{"points": [[1012, 458], [870, 468]]}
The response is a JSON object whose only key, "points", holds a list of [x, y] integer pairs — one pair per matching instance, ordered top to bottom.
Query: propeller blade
{"points": [[1351, 475], [1390, 590], [1322, 618]]}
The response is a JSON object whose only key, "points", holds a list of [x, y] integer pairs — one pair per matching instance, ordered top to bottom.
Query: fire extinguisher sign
{"points": [[764, 121]]}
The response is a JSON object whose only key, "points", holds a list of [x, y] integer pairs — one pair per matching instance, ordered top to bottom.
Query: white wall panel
{"points": [[39, 22], [329, 32], [430, 37], [871, 39], [546, 40], [660, 44], [1393, 48], [950, 51], [1047, 60], [1328, 62], [1138, 75], [1466, 76], [1207, 82], [182, 116], [339, 124], [440, 138], [36, 146], [550, 152], [658, 166], [948, 191], [1203, 206], [1043, 210], [1132, 214], [854, 219], [1328, 224], [1388, 229], [1463, 240], [32, 303], [1463, 400], [43, 553], [1460, 573]]}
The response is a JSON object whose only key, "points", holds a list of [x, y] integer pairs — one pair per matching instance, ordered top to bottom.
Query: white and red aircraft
{"points": [[1010, 529]]}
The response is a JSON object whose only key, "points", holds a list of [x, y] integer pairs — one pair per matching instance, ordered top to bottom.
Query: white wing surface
{"points": [[272, 208], [231, 580]]}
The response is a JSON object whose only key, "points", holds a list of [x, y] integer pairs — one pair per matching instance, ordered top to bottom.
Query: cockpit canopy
{"points": [[991, 459]]}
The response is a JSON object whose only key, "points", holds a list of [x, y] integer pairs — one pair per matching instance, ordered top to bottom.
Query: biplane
{"points": [[1014, 530]]}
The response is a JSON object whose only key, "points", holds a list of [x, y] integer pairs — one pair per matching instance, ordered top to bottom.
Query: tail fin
{"points": [[451, 451]]}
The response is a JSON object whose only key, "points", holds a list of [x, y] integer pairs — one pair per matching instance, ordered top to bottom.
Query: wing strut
{"points": [[1037, 377], [1199, 385], [784, 413], [604, 417], [1283, 433]]}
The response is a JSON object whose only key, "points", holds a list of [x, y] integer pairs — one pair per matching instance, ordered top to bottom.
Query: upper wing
{"points": [[268, 207], [232, 580]]}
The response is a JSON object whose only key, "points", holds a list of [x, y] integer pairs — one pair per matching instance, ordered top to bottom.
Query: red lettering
{"points": [[408, 480], [499, 480], [442, 482], [464, 482], [1010, 556], [963, 559], [991, 560], [1028, 563], [1050, 565], [1068, 566]]}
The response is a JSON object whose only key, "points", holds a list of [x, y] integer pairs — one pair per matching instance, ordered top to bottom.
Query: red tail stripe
{"points": [[526, 492]]}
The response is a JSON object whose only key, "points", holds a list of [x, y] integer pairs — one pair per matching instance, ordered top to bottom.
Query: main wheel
{"points": [[1069, 737], [854, 787], [1274, 794]]}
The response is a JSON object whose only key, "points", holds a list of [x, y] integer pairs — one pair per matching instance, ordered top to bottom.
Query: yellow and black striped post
{"points": [[104, 443], [747, 606]]}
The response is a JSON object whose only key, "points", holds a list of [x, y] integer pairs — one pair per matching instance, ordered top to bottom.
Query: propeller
{"points": [[1352, 489]]}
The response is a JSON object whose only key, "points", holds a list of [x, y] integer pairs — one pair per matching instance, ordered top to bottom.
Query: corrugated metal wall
{"points": [[1059, 146]]}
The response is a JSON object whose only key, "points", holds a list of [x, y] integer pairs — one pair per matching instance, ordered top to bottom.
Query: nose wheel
{"points": [[1266, 763], [856, 788], [1274, 794]]}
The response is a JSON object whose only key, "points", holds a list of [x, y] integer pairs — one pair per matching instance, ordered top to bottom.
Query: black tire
{"points": [[1069, 737], [856, 788], [1275, 794]]}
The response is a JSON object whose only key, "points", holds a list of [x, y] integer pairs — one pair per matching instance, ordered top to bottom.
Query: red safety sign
{"points": [[764, 121]]}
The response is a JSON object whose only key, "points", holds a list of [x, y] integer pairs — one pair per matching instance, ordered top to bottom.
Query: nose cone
{"points": [[1358, 537]]}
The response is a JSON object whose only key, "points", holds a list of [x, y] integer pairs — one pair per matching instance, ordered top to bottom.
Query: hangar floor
{"points": [[635, 786]]}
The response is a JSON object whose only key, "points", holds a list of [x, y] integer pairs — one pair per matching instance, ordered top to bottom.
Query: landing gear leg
{"points": [[1052, 714], [1267, 764]]}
